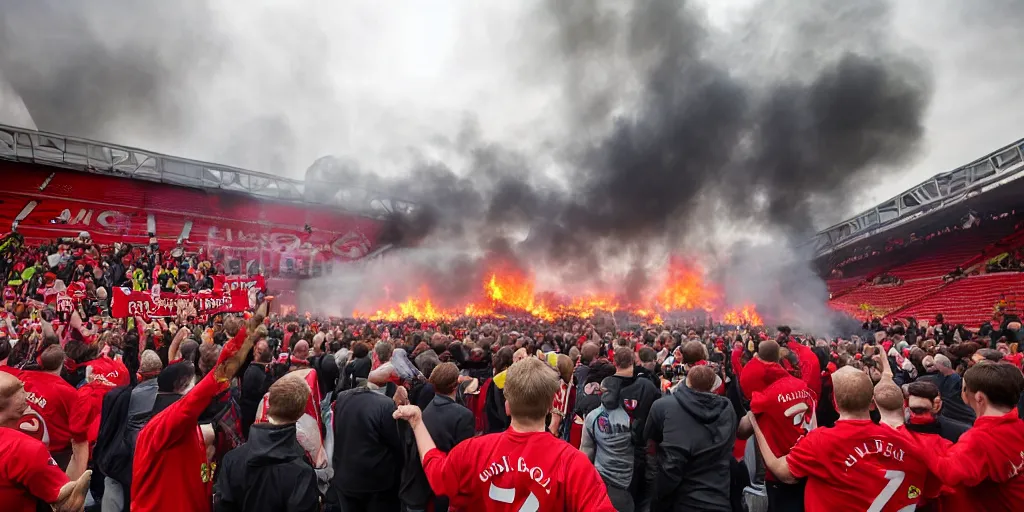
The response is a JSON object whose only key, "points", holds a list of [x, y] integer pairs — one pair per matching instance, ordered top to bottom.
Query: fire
{"points": [[685, 289], [508, 291], [747, 315]]}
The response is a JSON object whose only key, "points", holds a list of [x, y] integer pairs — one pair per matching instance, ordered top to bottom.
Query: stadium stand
{"points": [[882, 300], [971, 300]]}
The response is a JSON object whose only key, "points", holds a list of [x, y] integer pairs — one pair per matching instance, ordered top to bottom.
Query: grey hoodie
{"points": [[607, 438]]}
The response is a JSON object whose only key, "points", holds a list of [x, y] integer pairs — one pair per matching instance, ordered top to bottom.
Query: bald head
{"points": [[301, 350], [768, 350], [853, 390], [888, 396], [12, 398]]}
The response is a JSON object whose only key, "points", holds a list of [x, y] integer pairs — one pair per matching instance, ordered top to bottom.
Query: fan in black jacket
{"points": [[357, 370], [255, 382], [448, 423], [694, 432], [368, 452], [270, 471]]}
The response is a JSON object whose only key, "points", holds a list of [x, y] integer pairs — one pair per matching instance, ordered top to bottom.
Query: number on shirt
{"points": [[802, 416], [895, 479], [503, 495]]}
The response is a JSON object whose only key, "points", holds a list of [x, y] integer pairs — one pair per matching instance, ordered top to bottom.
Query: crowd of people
{"points": [[255, 411]]}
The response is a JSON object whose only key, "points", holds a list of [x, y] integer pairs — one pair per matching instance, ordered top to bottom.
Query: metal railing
{"points": [[51, 149], [940, 191]]}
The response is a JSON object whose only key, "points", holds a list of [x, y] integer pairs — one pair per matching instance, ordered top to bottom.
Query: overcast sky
{"points": [[280, 83]]}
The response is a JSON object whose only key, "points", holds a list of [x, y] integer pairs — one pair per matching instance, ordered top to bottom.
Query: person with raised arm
{"points": [[522, 468], [171, 470]]}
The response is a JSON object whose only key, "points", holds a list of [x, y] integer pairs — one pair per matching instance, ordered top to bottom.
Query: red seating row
{"points": [[943, 254], [837, 286], [883, 299], [970, 301]]}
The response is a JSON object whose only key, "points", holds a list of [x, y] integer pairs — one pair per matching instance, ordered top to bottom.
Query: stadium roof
{"points": [[50, 149], [937, 193]]}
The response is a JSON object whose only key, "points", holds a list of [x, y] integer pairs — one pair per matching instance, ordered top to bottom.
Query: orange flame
{"points": [[685, 289], [508, 291], [747, 315]]}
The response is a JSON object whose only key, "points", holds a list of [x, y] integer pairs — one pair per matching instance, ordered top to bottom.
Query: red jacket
{"points": [[989, 461], [170, 471]]}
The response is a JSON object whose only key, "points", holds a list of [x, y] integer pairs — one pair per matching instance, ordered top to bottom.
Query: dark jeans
{"points": [[785, 497], [621, 499], [377, 502]]}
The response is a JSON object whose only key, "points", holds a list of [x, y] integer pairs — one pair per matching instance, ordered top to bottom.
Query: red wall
{"points": [[116, 209]]}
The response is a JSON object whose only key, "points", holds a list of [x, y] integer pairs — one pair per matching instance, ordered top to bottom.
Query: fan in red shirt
{"points": [[810, 367], [101, 375], [754, 376], [53, 398], [785, 413], [987, 463], [856, 465], [523, 468], [171, 471], [29, 477]]}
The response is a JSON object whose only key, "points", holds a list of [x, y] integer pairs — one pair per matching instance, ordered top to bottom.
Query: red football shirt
{"points": [[810, 367], [11, 370], [754, 377], [53, 398], [85, 413], [785, 413], [988, 461], [857, 466], [170, 472], [516, 472], [27, 474], [939, 498]]}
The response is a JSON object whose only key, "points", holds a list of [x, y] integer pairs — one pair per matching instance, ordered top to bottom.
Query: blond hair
{"points": [[530, 388]]}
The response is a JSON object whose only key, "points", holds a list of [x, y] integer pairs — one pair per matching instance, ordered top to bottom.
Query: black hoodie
{"points": [[638, 395], [694, 433], [268, 473]]}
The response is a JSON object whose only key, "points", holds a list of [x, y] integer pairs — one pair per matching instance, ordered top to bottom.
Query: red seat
{"points": [[970, 301]]}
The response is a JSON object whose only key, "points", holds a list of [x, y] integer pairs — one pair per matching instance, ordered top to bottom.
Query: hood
{"points": [[774, 372], [610, 395], [706, 408], [711, 411], [273, 444]]}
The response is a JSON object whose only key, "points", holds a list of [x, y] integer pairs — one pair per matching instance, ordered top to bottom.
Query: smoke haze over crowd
{"points": [[585, 139]]}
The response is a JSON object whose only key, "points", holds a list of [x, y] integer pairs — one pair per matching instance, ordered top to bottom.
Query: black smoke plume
{"points": [[658, 124], [666, 126]]}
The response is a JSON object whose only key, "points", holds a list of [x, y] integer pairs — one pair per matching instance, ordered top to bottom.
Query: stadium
{"points": [[950, 245]]}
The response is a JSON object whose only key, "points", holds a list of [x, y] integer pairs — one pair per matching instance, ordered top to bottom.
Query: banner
{"points": [[243, 283], [239, 288], [125, 303]]}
